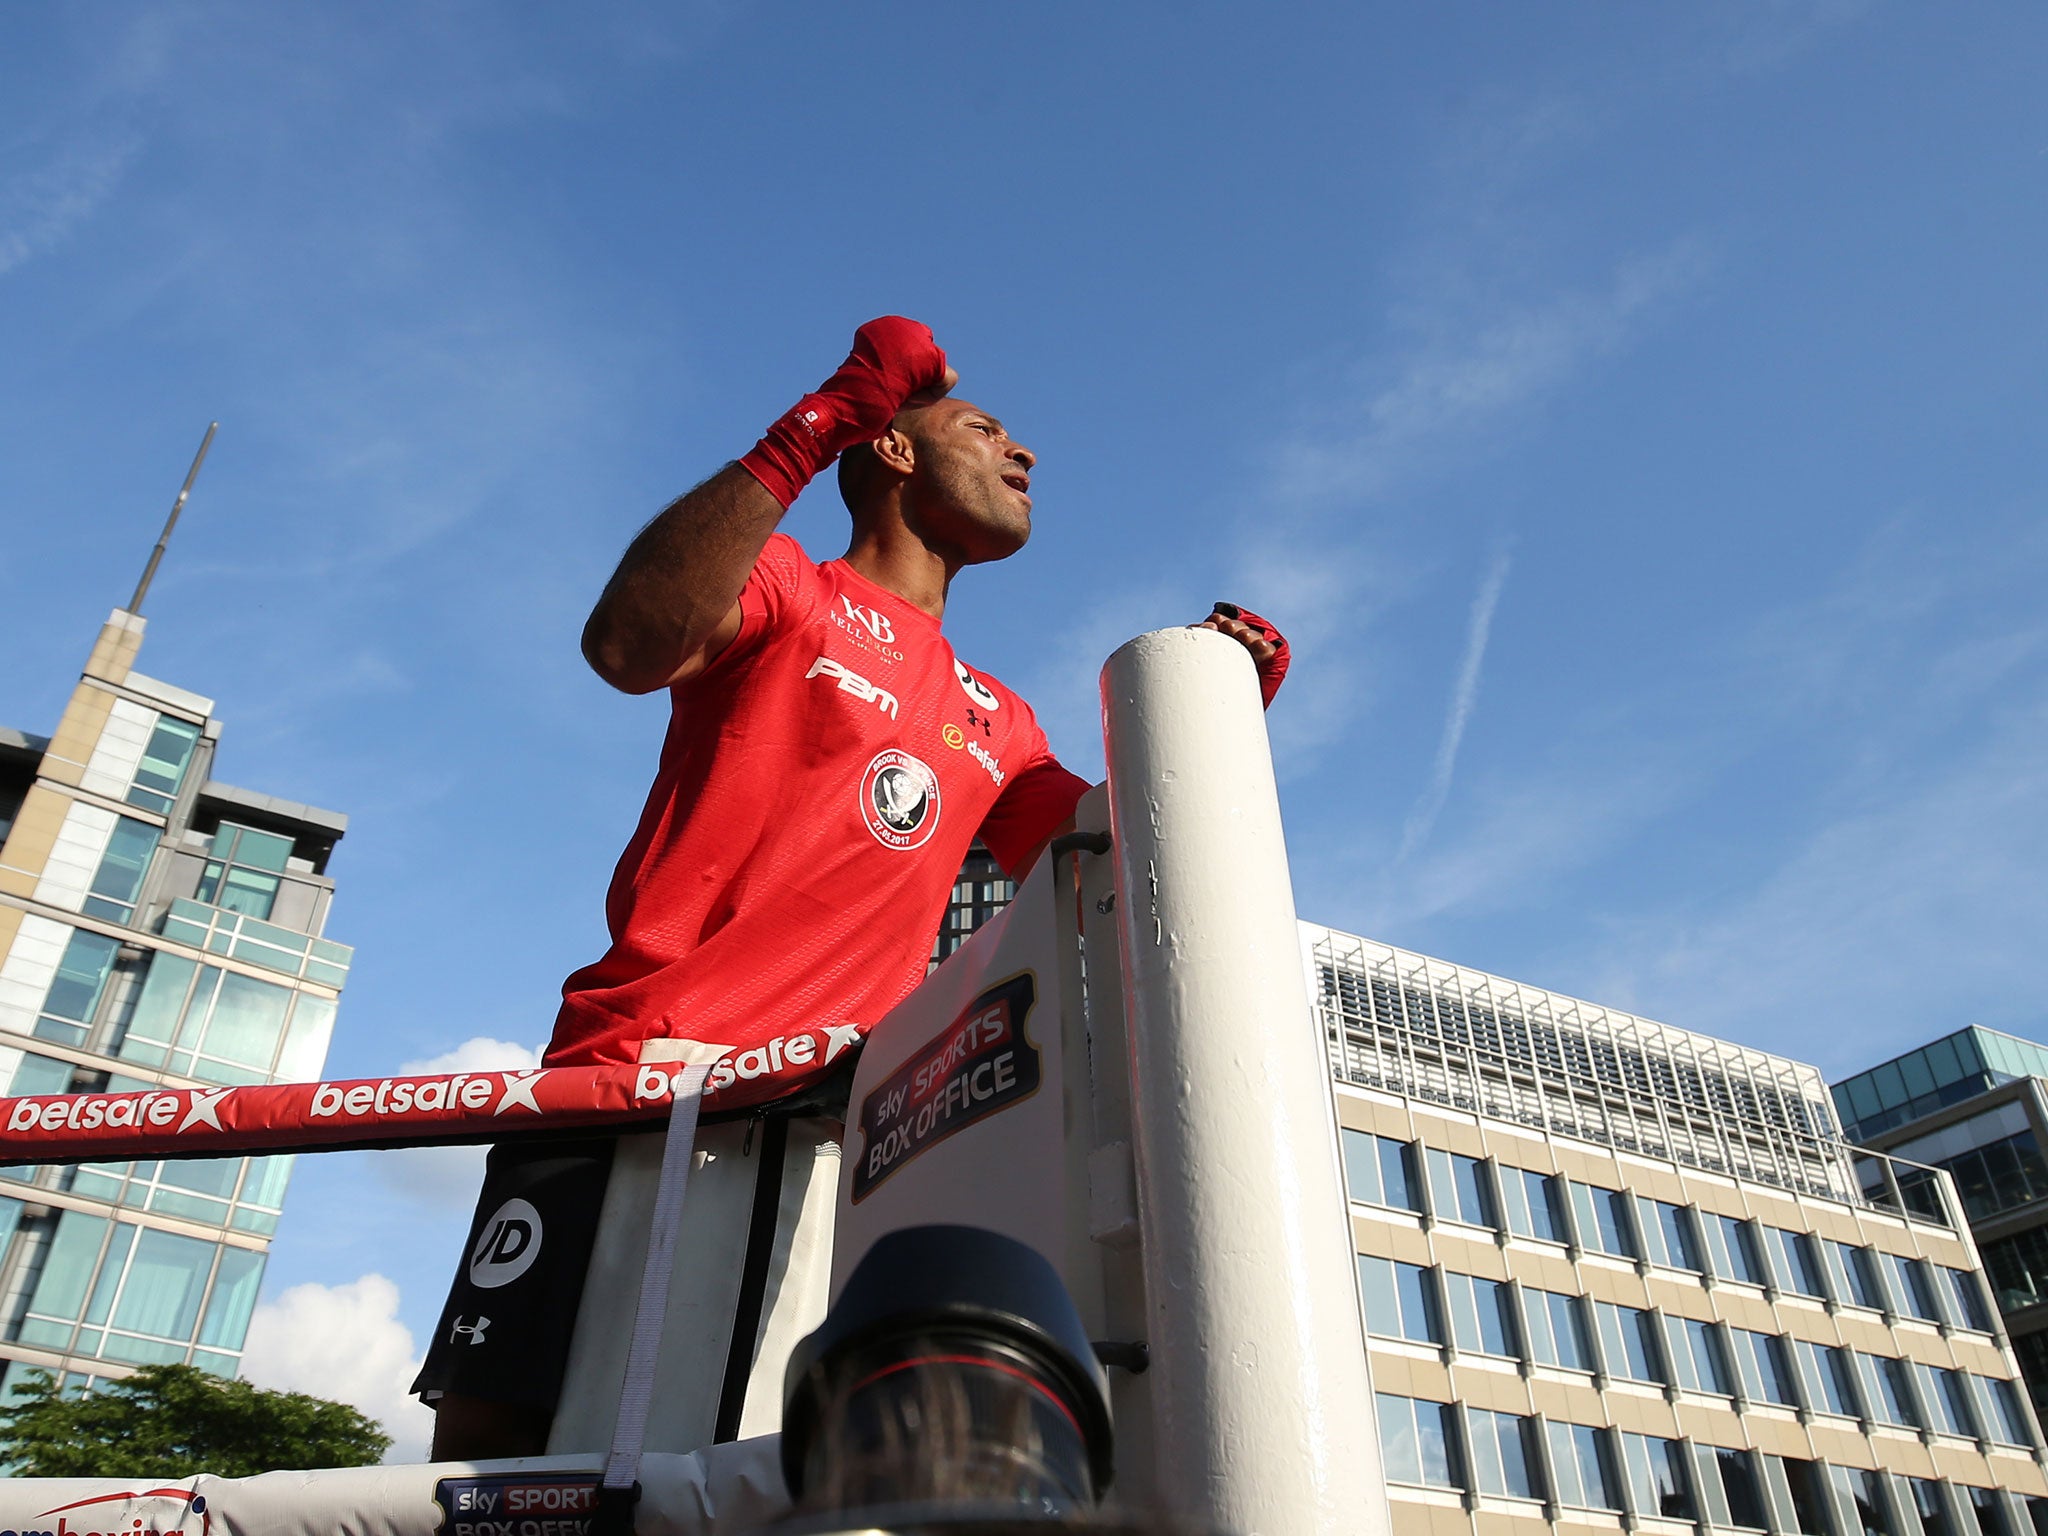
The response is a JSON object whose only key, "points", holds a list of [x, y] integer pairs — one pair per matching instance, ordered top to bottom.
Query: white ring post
{"points": [[1258, 1380]]}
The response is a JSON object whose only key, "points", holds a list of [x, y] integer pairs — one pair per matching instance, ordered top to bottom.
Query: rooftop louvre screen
{"points": [[1411, 1025]]}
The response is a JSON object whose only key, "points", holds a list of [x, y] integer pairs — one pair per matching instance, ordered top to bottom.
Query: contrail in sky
{"points": [[1463, 697]]}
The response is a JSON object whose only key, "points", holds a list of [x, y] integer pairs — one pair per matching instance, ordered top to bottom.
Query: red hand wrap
{"points": [[892, 359], [1273, 670]]}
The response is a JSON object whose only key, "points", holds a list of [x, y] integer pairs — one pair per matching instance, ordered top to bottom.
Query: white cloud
{"points": [[39, 209], [1471, 365], [1464, 697], [479, 1053], [448, 1178], [344, 1343]]}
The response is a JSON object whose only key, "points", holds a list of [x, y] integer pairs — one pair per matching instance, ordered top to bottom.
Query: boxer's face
{"points": [[969, 491]]}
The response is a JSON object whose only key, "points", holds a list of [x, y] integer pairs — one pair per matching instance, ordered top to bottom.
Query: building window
{"points": [[163, 765], [244, 873], [118, 881], [981, 891], [74, 995], [223, 1026], [1381, 1171], [2000, 1176], [1457, 1189], [246, 1194], [1534, 1209], [1603, 1219], [1667, 1229], [1732, 1247], [68, 1265], [1798, 1267], [2017, 1267], [1855, 1279], [1911, 1293], [139, 1296], [1967, 1298], [1400, 1300], [158, 1302], [1482, 1315], [1557, 1329], [1628, 1342], [2032, 1349], [1696, 1355], [1766, 1378], [1831, 1378], [1893, 1400], [1948, 1400], [2008, 1419], [1415, 1441], [1501, 1460], [1582, 1462], [1656, 1475], [1863, 1492], [1741, 1494], [1809, 1497], [1931, 1507], [1989, 1510]]}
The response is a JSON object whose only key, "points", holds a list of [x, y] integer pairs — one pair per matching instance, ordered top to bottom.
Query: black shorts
{"points": [[504, 1334]]}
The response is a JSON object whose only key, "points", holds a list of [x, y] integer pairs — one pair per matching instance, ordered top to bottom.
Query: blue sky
{"points": [[1623, 408]]}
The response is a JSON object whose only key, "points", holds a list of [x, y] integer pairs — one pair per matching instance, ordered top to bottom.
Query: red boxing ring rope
{"points": [[442, 1108]]}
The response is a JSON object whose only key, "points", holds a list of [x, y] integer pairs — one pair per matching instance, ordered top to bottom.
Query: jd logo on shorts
{"points": [[510, 1244]]}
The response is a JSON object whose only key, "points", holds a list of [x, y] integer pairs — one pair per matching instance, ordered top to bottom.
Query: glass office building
{"points": [[158, 928], [1975, 1105], [1617, 1275]]}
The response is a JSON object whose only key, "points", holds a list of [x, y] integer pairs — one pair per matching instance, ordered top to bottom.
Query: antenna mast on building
{"points": [[157, 554]]}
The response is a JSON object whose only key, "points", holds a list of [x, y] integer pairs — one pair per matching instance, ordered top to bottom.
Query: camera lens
{"points": [[953, 1373]]}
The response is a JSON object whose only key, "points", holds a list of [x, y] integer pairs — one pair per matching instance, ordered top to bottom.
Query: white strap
{"points": [[636, 1393]]}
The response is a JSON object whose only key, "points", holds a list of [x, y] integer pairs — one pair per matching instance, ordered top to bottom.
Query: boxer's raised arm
{"points": [[672, 605]]}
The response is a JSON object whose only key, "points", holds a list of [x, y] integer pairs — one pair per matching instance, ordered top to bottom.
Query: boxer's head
{"points": [[953, 476]]}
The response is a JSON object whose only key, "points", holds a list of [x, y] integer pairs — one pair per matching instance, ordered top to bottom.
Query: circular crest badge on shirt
{"points": [[975, 688], [899, 800]]}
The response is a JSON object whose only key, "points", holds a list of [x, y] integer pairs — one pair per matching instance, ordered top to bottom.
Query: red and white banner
{"points": [[307, 1117]]}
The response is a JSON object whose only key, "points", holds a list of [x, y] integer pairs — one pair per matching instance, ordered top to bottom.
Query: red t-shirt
{"points": [[819, 786]]}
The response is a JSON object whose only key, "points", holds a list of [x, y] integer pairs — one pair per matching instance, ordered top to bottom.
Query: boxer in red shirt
{"points": [[828, 763]]}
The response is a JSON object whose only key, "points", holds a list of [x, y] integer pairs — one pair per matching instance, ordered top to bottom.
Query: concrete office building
{"points": [[157, 928], [1974, 1104], [1617, 1275]]}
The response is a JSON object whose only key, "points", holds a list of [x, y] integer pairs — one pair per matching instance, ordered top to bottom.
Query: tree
{"points": [[171, 1421]]}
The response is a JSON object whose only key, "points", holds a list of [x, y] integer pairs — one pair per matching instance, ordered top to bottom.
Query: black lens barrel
{"points": [[954, 1364]]}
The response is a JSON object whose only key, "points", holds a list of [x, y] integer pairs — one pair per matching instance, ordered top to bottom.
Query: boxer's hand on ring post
{"points": [[1251, 639], [1268, 647]]}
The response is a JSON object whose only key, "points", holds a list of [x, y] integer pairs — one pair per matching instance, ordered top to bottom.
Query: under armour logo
{"points": [[980, 720], [475, 1330]]}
